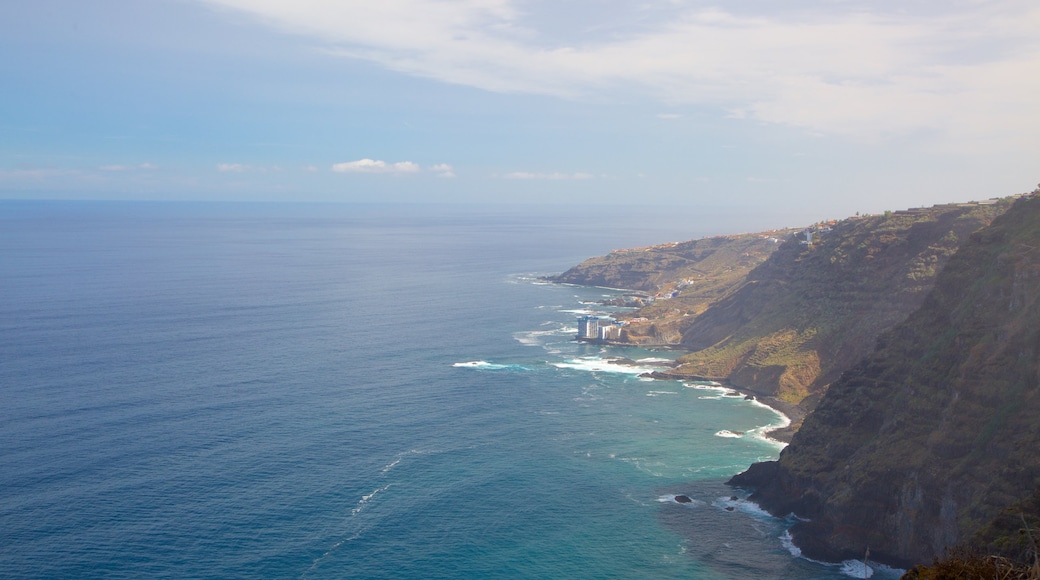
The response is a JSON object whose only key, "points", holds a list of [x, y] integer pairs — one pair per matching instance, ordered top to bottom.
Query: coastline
{"points": [[792, 412]]}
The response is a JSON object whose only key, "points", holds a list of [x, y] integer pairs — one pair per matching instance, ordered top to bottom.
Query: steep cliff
{"points": [[814, 309], [922, 444]]}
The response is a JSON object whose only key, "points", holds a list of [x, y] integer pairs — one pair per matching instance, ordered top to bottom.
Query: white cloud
{"points": [[962, 70], [375, 166], [232, 167], [116, 168], [443, 170], [549, 176]]}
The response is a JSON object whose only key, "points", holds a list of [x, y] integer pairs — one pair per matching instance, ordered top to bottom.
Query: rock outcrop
{"points": [[921, 445]]}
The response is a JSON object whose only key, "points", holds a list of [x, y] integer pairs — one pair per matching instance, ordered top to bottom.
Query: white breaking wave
{"points": [[581, 311], [536, 337], [597, 364], [486, 366], [713, 387], [762, 432], [729, 434], [744, 506], [788, 542], [850, 568], [856, 569]]}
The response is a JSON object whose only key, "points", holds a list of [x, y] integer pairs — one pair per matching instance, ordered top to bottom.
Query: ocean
{"points": [[195, 390]]}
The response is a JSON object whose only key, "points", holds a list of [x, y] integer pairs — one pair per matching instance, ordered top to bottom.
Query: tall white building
{"points": [[596, 328]]}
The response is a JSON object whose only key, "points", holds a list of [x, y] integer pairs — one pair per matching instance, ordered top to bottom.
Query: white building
{"points": [[597, 328]]}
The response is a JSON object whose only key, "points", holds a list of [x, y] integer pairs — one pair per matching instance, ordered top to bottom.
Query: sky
{"points": [[827, 106]]}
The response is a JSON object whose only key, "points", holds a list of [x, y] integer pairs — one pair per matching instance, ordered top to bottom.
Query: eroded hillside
{"points": [[814, 309], [923, 444]]}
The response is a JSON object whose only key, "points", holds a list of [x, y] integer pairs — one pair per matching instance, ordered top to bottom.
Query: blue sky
{"points": [[834, 106]]}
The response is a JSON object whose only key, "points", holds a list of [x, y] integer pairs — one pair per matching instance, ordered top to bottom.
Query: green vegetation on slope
{"points": [[813, 310], [922, 445]]}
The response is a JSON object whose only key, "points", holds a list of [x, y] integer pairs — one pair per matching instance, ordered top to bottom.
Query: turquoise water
{"points": [[351, 392]]}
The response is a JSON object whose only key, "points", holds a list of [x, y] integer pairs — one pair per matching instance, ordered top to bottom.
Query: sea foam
{"points": [[598, 364], [487, 366], [856, 569]]}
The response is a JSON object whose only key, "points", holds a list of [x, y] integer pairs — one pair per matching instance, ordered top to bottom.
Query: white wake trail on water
{"points": [[483, 365], [359, 507], [361, 529]]}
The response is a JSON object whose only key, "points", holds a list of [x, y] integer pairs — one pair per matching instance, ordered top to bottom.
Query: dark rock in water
{"points": [[749, 397], [733, 498], [683, 499], [730, 508]]}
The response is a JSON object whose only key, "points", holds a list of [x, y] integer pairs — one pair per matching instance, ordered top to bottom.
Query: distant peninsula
{"points": [[910, 343]]}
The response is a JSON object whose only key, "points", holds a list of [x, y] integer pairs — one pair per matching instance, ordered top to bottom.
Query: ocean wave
{"points": [[580, 311], [537, 337], [599, 364], [486, 366], [702, 384], [713, 387], [658, 393], [762, 432], [726, 433], [744, 506], [788, 543], [850, 568], [856, 569]]}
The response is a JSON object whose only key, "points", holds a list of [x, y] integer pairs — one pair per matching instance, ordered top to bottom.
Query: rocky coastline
{"points": [[904, 349]]}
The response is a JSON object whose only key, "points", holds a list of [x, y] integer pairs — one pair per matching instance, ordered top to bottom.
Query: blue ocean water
{"points": [[345, 391]]}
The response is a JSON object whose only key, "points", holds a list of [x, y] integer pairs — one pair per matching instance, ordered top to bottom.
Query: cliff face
{"points": [[812, 310], [924, 442]]}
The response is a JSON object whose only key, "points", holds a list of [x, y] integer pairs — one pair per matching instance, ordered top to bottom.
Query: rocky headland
{"points": [[910, 341]]}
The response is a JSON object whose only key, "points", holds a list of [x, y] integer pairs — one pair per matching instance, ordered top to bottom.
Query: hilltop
{"points": [[932, 440]]}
